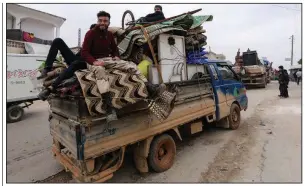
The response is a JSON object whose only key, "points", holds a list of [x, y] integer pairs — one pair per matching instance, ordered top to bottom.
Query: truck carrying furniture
{"points": [[251, 70], [203, 92]]}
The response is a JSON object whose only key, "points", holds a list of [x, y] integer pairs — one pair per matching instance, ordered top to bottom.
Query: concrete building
{"points": [[43, 25], [213, 55], [294, 69]]}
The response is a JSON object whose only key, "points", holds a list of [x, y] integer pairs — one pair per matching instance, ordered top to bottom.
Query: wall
{"points": [[9, 21], [41, 24], [38, 28]]}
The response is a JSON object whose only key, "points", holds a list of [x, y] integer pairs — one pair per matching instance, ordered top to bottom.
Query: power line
{"points": [[287, 8]]}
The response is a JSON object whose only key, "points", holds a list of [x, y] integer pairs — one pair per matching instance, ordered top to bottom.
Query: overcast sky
{"points": [[262, 27]]}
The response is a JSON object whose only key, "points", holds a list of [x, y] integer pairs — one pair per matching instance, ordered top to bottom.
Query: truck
{"points": [[268, 66], [251, 69], [22, 85], [207, 92], [211, 93]]}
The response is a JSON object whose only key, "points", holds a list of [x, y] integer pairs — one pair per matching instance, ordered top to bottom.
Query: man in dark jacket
{"points": [[157, 16], [283, 81]]}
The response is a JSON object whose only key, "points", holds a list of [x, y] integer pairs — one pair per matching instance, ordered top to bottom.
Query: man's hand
{"points": [[115, 58], [98, 63]]}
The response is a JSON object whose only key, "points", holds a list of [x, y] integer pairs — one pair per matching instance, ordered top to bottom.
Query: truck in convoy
{"points": [[268, 66], [251, 69], [22, 85], [208, 92]]}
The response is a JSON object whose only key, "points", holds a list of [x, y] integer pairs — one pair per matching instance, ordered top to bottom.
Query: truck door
{"points": [[234, 90], [220, 99]]}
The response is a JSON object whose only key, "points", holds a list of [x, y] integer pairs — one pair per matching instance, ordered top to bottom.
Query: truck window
{"points": [[214, 71], [226, 72]]}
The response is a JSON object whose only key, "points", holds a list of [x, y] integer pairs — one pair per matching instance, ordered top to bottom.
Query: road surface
{"points": [[266, 147]]}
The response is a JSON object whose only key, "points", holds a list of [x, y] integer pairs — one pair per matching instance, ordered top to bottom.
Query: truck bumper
{"points": [[253, 81], [80, 175]]}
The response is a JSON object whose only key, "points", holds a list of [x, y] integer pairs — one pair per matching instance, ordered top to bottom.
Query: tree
{"points": [[300, 62]]}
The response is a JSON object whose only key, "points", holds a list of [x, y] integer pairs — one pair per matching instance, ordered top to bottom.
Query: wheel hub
{"points": [[15, 113], [234, 116], [161, 152]]}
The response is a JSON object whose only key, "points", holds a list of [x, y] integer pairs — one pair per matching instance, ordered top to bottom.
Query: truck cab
{"points": [[227, 88]]}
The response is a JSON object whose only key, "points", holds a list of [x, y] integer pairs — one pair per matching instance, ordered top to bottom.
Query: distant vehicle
{"points": [[251, 70], [22, 85]]}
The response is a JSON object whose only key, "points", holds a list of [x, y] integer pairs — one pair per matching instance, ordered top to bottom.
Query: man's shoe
{"points": [[43, 74], [161, 88], [156, 90], [43, 95]]}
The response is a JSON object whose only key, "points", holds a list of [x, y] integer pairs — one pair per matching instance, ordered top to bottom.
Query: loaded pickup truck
{"points": [[210, 92]]}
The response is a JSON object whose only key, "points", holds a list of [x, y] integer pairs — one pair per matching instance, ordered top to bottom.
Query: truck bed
{"points": [[87, 137]]}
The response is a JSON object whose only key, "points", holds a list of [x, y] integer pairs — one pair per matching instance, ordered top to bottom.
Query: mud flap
{"points": [[223, 123], [140, 155]]}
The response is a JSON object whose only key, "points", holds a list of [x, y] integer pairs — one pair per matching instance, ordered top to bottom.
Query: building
{"points": [[43, 25], [213, 55], [294, 69]]}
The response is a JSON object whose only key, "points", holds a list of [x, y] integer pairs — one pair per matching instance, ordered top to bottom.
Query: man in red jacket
{"points": [[99, 42]]}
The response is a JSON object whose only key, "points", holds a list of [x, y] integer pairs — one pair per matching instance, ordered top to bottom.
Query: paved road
{"points": [[267, 147]]}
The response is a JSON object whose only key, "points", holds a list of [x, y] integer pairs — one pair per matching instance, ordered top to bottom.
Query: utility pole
{"points": [[79, 37], [292, 39]]}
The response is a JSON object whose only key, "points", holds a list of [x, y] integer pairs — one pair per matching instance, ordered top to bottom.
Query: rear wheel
{"points": [[14, 113], [234, 117], [162, 153]]}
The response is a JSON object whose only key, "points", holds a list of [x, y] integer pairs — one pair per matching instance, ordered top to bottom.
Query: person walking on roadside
{"points": [[299, 76], [283, 81]]}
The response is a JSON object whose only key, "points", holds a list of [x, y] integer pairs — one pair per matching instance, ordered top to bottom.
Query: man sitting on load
{"points": [[153, 17], [99, 43], [73, 61]]}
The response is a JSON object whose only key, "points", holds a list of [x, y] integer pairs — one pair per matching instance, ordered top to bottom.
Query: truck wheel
{"points": [[14, 113], [234, 117], [162, 153]]}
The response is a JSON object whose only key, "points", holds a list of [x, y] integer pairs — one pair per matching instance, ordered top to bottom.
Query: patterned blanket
{"points": [[121, 79]]}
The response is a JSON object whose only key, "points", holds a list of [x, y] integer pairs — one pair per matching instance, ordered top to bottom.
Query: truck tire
{"points": [[14, 113], [234, 117], [162, 153]]}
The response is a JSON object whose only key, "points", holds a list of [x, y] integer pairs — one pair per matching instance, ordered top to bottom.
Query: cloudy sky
{"points": [[262, 27]]}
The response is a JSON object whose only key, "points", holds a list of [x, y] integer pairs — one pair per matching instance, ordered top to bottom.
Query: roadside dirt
{"points": [[237, 152]]}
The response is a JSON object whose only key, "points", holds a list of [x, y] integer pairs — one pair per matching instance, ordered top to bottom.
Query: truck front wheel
{"points": [[14, 113], [234, 117], [162, 153]]}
